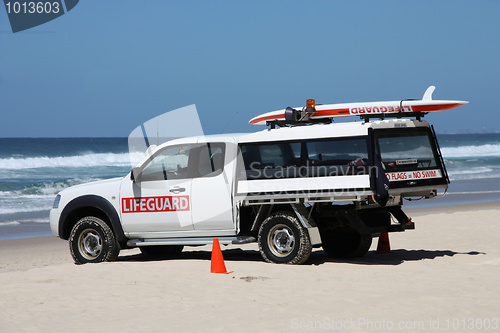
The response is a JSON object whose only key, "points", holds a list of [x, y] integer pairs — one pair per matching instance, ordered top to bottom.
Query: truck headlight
{"points": [[56, 201]]}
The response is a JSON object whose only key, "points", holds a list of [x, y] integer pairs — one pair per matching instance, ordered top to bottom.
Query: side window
{"points": [[337, 152], [271, 155], [339, 157], [311, 158], [210, 159], [170, 163]]}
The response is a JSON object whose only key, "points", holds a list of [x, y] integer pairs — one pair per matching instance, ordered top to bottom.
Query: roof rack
{"points": [[418, 115], [366, 117], [286, 123]]}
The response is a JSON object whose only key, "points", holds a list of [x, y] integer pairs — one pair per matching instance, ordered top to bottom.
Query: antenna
{"points": [[229, 122]]}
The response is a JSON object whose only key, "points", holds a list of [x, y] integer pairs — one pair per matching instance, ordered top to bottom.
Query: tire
{"points": [[92, 240], [283, 240], [345, 243], [161, 250]]}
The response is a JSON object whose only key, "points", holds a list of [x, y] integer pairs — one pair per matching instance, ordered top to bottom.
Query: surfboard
{"points": [[365, 109]]}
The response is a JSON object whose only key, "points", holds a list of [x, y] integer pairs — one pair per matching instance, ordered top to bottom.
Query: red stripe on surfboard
{"points": [[436, 107], [318, 113], [330, 113], [274, 117]]}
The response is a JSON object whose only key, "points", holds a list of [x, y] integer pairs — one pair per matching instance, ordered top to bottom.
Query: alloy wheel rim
{"points": [[281, 240]]}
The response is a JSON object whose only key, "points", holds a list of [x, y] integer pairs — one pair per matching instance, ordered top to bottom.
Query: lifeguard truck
{"points": [[304, 182]]}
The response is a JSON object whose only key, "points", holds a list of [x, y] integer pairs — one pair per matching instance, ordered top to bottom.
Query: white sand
{"points": [[443, 273]]}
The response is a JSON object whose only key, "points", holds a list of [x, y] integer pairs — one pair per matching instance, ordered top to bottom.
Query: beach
{"points": [[441, 276]]}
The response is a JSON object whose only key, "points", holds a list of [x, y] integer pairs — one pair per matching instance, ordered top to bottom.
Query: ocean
{"points": [[33, 170]]}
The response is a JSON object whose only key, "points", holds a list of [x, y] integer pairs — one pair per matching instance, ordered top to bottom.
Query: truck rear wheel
{"points": [[92, 240], [283, 240], [345, 243], [161, 250]]}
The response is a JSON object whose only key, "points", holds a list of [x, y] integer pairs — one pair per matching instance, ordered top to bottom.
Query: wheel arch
{"points": [[90, 205], [297, 209], [266, 210]]}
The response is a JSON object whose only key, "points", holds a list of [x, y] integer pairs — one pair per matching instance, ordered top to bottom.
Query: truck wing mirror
{"points": [[134, 175]]}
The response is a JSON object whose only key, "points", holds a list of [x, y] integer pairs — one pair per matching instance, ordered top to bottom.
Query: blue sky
{"points": [[107, 66]]}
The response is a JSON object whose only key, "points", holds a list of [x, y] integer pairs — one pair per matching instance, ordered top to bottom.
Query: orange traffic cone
{"points": [[383, 243], [217, 265]]}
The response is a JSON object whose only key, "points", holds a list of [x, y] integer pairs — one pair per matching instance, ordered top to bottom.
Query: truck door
{"points": [[159, 198], [212, 206]]}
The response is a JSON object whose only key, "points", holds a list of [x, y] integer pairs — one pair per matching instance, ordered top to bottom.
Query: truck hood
{"points": [[98, 187]]}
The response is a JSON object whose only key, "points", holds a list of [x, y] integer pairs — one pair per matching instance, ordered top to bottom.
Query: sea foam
{"points": [[488, 150], [88, 160]]}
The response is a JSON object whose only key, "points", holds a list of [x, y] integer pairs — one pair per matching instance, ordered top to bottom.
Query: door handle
{"points": [[177, 189]]}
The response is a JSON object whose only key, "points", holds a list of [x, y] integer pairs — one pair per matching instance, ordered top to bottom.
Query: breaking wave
{"points": [[488, 150], [88, 160]]}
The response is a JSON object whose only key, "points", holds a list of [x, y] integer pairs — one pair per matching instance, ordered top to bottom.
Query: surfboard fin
{"points": [[428, 93]]}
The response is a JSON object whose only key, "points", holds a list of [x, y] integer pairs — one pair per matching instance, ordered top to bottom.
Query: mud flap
{"points": [[308, 223], [314, 236]]}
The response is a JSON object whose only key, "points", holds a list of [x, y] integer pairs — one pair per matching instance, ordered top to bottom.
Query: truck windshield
{"points": [[406, 149]]}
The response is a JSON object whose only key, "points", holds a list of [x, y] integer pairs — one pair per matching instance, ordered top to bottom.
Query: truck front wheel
{"points": [[92, 240], [283, 240], [345, 243]]}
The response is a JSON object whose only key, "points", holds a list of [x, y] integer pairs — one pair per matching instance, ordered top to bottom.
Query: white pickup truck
{"points": [[289, 189]]}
